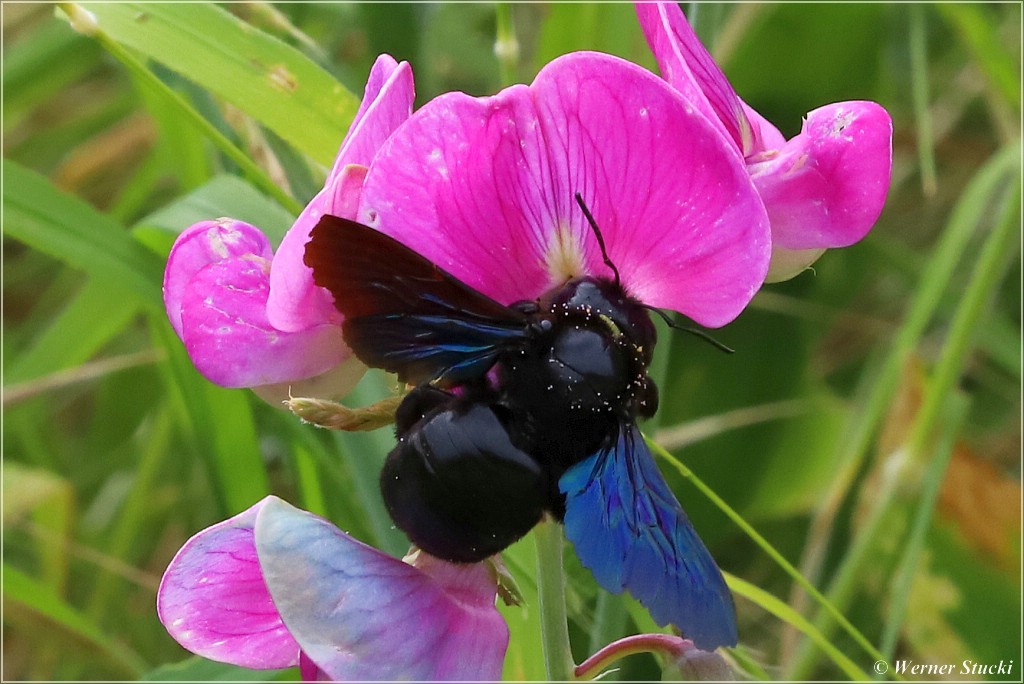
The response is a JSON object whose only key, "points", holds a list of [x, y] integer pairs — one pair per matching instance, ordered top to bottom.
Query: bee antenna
{"points": [[600, 238], [693, 331]]}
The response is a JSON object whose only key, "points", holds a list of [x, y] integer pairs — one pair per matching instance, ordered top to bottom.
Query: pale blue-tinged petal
{"points": [[360, 614]]}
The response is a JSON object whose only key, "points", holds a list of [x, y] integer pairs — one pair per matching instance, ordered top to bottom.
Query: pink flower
{"points": [[484, 187], [823, 188], [250, 318], [276, 587]]}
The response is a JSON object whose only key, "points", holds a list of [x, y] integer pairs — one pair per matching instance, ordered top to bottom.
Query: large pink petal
{"points": [[687, 65], [465, 182], [826, 187], [485, 188], [681, 220], [200, 245], [295, 303], [230, 341], [214, 602], [362, 615]]}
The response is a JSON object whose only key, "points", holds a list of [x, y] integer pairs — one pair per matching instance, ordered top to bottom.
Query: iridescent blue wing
{"points": [[403, 313], [630, 531]]}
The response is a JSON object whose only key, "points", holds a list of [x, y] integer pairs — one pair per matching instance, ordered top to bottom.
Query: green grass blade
{"points": [[981, 36], [52, 49], [269, 80], [159, 89], [919, 90], [975, 203], [65, 227], [987, 274], [81, 328], [880, 390], [222, 426], [364, 454], [309, 481], [47, 502], [130, 525], [766, 546], [911, 555], [27, 598], [782, 611], [197, 669]]}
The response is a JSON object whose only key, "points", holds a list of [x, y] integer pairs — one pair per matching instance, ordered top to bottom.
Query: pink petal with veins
{"points": [[826, 187], [485, 188], [295, 303], [230, 341], [214, 602]]}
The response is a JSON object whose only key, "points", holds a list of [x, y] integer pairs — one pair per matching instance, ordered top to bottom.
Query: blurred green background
{"points": [[869, 425]]}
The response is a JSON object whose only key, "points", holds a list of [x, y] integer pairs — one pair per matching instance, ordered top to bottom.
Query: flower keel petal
{"points": [[826, 187], [200, 245], [230, 341], [214, 602], [360, 614]]}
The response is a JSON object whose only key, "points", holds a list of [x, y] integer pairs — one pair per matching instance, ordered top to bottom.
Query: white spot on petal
{"points": [[564, 254]]}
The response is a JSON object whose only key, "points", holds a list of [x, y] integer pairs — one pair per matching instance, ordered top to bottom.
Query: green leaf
{"points": [[981, 36], [269, 80], [222, 196], [65, 227], [86, 324], [222, 426], [25, 597], [782, 611]]}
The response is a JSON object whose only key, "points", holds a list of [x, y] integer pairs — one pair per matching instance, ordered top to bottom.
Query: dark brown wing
{"points": [[403, 313]]}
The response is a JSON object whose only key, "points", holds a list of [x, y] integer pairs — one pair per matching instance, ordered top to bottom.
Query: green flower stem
{"points": [[506, 47], [554, 625], [668, 645]]}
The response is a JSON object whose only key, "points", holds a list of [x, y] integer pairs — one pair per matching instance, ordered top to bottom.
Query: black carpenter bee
{"points": [[518, 411]]}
